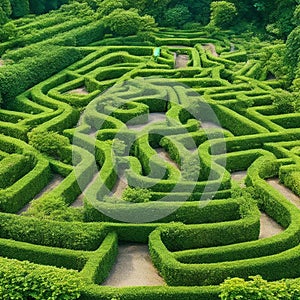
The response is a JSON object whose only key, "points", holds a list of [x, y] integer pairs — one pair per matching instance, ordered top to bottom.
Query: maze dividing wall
{"points": [[192, 243]]}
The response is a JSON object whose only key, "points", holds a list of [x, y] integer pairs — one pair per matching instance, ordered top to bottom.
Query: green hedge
{"points": [[25, 280]]}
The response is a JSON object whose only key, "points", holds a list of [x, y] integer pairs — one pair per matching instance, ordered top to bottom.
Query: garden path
{"points": [[57, 179], [133, 268]]}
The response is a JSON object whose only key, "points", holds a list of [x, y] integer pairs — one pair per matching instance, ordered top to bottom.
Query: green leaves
{"points": [[223, 14], [24, 280], [258, 289]]}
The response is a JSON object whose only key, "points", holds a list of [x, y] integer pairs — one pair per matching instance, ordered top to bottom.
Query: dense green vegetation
{"points": [[77, 76]]}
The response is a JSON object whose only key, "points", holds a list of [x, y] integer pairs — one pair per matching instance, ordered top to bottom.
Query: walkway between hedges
{"points": [[268, 227], [133, 268]]}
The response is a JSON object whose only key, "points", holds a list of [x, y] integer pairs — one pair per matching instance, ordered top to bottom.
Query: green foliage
{"points": [[6, 7], [106, 7], [20, 8], [223, 14], [177, 16], [296, 16], [127, 22], [7, 32], [293, 46], [273, 58], [286, 102], [50, 143], [190, 168], [136, 195], [52, 208], [24, 280], [259, 289]]}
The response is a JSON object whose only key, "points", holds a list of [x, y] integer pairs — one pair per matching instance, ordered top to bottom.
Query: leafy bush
{"points": [[106, 7], [223, 14], [177, 16], [128, 22], [292, 53], [286, 102], [50, 143], [191, 168], [136, 195], [53, 209], [24, 280], [258, 288]]}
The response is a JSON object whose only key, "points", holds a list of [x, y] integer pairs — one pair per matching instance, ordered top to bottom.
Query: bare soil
{"points": [[212, 48], [181, 61], [79, 91], [166, 157], [239, 177], [120, 186], [285, 192], [79, 201], [268, 227], [133, 268]]}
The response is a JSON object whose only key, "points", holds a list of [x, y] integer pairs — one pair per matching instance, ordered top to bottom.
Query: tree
{"points": [[37, 6], [108, 6], [6, 7], [20, 8], [5, 11], [223, 14], [177, 16], [296, 16], [123, 22], [292, 50], [286, 102]]}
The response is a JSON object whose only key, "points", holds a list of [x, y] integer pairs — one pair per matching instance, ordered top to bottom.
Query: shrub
{"points": [[20, 8], [223, 14], [177, 16], [127, 22], [286, 102], [50, 143], [136, 195], [54, 209], [24, 280], [256, 288]]}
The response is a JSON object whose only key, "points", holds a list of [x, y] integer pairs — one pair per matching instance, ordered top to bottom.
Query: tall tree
{"points": [[20, 8], [5, 11]]}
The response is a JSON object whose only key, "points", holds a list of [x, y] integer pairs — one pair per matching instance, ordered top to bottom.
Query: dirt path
{"points": [[212, 48], [181, 60], [79, 91], [208, 125], [166, 157], [239, 177], [57, 179], [120, 186], [285, 192], [79, 201], [268, 227], [133, 268]]}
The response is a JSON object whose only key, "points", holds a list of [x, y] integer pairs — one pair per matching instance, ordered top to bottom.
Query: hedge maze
{"points": [[216, 118]]}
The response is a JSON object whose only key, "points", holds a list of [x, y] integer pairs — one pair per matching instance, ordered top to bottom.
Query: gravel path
{"points": [[212, 48], [181, 61], [79, 91], [285, 192], [268, 227], [133, 268]]}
